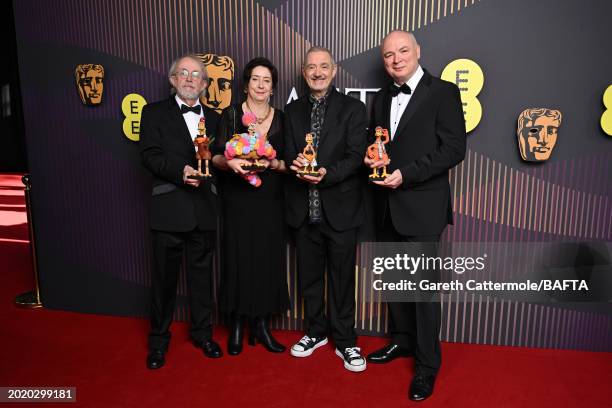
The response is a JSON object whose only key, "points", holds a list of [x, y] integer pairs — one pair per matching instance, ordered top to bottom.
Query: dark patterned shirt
{"points": [[317, 116]]}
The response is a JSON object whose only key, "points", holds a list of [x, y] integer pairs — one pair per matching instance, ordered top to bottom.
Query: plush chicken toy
{"points": [[250, 146]]}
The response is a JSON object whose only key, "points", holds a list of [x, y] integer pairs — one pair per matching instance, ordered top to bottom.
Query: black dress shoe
{"points": [[234, 341], [210, 348], [387, 354], [156, 359], [421, 387]]}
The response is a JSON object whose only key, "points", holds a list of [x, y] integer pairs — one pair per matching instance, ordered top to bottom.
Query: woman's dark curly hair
{"points": [[259, 62]]}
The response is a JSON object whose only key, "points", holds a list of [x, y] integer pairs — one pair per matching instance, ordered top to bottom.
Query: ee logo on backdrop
{"points": [[468, 76], [131, 106], [606, 118]]}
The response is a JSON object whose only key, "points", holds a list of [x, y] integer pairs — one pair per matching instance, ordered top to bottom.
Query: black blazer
{"points": [[430, 139], [165, 148], [340, 151]]}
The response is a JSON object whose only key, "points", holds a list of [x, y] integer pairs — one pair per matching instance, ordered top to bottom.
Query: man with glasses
{"points": [[183, 210]]}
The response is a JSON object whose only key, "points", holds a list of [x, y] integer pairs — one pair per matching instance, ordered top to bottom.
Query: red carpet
{"points": [[104, 358]]}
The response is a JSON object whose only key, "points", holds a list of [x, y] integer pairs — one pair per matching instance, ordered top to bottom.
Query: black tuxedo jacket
{"points": [[430, 139], [165, 148], [341, 149]]}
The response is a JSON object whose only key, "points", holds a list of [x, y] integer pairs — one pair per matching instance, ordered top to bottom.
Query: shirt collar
{"points": [[413, 81], [322, 99], [180, 102]]}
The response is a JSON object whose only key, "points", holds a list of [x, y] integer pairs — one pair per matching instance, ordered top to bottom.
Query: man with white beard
{"points": [[183, 209]]}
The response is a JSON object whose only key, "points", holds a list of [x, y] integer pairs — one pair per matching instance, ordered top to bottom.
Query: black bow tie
{"points": [[395, 90], [195, 109]]}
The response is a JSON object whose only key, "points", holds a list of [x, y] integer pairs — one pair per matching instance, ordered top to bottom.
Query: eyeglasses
{"points": [[195, 75]]}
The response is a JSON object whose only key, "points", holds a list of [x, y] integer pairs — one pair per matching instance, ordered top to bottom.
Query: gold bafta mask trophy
{"points": [[220, 69], [90, 83], [538, 132], [202, 148], [376, 151], [310, 154]]}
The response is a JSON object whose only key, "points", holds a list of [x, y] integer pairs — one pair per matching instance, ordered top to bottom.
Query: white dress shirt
{"points": [[399, 103], [191, 119]]}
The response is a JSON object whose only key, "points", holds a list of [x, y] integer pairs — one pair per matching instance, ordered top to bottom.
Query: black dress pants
{"points": [[319, 247], [168, 249], [415, 326]]}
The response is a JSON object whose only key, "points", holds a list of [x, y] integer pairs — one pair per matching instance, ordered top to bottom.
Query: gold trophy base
{"points": [[253, 167], [309, 171], [378, 174], [199, 176], [377, 178], [28, 300]]}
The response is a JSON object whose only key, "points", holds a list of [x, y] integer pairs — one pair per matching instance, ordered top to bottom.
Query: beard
{"points": [[187, 93]]}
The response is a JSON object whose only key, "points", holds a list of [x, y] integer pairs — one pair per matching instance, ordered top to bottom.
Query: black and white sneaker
{"points": [[307, 345], [353, 361]]}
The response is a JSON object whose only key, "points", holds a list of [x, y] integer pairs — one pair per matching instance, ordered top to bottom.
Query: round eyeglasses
{"points": [[195, 75]]}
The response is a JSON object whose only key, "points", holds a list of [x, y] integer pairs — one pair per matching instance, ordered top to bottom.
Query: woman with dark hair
{"points": [[253, 279]]}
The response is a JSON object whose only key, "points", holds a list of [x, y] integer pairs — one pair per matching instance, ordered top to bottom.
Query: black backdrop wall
{"points": [[12, 138], [90, 193]]}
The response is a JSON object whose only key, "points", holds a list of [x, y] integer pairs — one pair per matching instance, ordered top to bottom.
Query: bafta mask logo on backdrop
{"points": [[220, 79], [90, 83], [537, 133]]}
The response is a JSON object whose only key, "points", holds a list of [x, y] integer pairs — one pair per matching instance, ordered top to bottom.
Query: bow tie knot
{"points": [[395, 90], [195, 109]]}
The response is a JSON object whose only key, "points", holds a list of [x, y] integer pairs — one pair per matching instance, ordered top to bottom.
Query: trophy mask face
{"points": [[220, 80], [90, 83], [538, 133]]}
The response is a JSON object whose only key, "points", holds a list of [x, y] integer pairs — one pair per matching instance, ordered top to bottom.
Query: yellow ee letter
{"points": [[468, 76], [131, 106], [606, 118]]}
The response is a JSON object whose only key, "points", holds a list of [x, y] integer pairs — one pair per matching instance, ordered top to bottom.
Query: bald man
{"points": [[424, 116]]}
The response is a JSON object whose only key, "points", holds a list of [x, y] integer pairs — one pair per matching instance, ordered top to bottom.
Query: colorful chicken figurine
{"points": [[202, 143], [250, 146], [377, 151], [310, 154]]}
